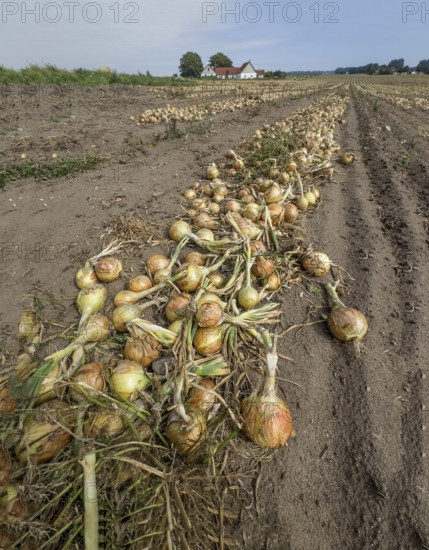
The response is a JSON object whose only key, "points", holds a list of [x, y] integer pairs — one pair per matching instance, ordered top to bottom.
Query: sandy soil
{"points": [[356, 476]]}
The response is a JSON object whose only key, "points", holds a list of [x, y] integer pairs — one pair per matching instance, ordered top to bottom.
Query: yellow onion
{"points": [[230, 154], [346, 158], [237, 164], [291, 167], [212, 172], [284, 178], [264, 184], [196, 185], [208, 190], [220, 190], [243, 192], [315, 192], [189, 194], [218, 198], [247, 199], [311, 199], [301, 203], [199, 204], [232, 206], [213, 208], [252, 211], [276, 212], [192, 213], [291, 213], [203, 221], [246, 227], [178, 231], [206, 235], [257, 248], [195, 258], [157, 262], [316, 264], [262, 267], [108, 269], [162, 275], [86, 276], [192, 280], [216, 280], [272, 282], [139, 283], [210, 297], [248, 297], [90, 300], [177, 307], [124, 314], [209, 314], [345, 323], [28, 326], [96, 329], [208, 341], [142, 350], [128, 379], [85, 380], [48, 385], [201, 398], [267, 420], [103, 424], [43, 436], [186, 438]]}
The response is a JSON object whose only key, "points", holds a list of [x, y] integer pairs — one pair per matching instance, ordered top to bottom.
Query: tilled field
{"points": [[356, 475]]}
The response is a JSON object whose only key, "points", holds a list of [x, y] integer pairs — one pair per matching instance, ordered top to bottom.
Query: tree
{"points": [[219, 59], [397, 63], [190, 65], [423, 66]]}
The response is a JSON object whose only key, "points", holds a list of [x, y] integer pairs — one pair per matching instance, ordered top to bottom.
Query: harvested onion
{"points": [[316, 264], [108, 269], [139, 283], [89, 301], [345, 323], [208, 341], [142, 350], [88, 379], [128, 379]]}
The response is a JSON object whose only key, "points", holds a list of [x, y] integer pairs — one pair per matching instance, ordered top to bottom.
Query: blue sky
{"points": [[153, 34]]}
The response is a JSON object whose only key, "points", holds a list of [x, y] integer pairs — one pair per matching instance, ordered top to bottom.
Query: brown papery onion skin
{"points": [[291, 213], [195, 258], [157, 262], [316, 264], [263, 267], [108, 269], [139, 283], [177, 307], [209, 314], [347, 323], [208, 341], [142, 350], [90, 374], [201, 399], [187, 438]]}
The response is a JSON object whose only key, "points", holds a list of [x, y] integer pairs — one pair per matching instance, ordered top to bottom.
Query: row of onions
{"points": [[192, 113], [173, 333]]}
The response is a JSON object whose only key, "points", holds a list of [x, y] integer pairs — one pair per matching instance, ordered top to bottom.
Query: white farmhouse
{"points": [[246, 72]]}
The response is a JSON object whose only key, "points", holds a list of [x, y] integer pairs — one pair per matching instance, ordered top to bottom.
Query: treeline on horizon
{"points": [[395, 66]]}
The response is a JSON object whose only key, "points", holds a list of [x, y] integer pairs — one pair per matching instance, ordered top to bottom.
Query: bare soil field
{"points": [[357, 474]]}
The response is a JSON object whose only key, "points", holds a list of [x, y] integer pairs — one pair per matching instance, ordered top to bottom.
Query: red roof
{"points": [[224, 71]]}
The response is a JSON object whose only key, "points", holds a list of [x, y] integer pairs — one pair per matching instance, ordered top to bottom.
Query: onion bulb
{"points": [[346, 158], [212, 172], [189, 194], [273, 194], [311, 199], [302, 203], [213, 208], [276, 212], [291, 213], [203, 221], [206, 235], [257, 248], [195, 258], [157, 262], [316, 264], [262, 267], [108, 269], [86, 276], [192, 280], [216, 280], [272, 282], [139, 283], [248, 297], [89, 301], [177, 307], [124, 314], [209, 314], [345, 323], [28, 326], [96, 329], [208, 341], [142, 350], [128, 379], [85, 380], [48, 385], [201, 397], [7, 402], [267, 419], [104, 424], [43, 436], [186, 438]]}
